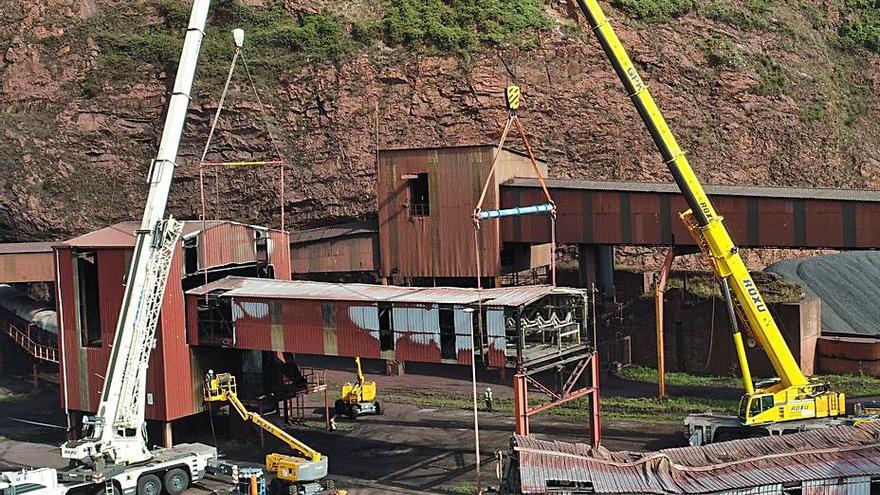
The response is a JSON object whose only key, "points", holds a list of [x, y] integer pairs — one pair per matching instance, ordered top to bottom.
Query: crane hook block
{"points": [[512, 96]]}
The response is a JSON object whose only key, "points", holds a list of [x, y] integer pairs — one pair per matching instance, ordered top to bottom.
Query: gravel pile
{"points": [[848, 285]]}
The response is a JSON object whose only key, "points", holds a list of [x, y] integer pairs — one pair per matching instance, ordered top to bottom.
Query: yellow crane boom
{"points": [[795, 396]]}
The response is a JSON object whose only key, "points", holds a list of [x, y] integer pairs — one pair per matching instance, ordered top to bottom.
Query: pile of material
{"points": [[848, 285], [843, 455]]}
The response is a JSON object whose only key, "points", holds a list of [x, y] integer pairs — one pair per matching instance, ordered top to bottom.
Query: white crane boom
{"points": [[118, 436]]}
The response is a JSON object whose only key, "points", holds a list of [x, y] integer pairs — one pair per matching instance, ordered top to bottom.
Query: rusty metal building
{"points": [[426, 197], [646, 214], [332, 252], [26, 262], [89, 291], [429, 325], [837, 460]]}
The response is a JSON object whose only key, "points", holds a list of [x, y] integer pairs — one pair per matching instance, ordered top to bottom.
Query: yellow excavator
{"points": [[358, 398], [791, 401], [301, 474]]}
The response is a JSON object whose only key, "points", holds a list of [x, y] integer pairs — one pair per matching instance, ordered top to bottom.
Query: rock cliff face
{"points": [[773, 104]]}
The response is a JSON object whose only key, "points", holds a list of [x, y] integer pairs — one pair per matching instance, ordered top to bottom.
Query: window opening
{"points": [[419, 199], [88, 312], [386, 327], [447, 332]]}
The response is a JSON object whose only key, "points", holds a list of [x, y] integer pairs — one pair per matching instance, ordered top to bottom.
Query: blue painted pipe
{"points": [[512, 212]]}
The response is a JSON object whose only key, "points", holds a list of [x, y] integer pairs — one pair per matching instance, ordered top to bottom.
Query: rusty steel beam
{"points": [[659, 292], [561, 400]]}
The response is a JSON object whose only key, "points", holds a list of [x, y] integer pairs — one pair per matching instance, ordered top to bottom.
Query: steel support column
{"points": [[659, 292], [569, 392], [521, 403], [595, 422], [167, 437]]}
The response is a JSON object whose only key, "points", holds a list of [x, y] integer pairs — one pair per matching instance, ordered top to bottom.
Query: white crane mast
{"points": [[118, 436]]}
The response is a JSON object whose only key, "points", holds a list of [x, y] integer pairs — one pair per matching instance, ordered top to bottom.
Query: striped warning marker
{"points": [[512, 96]]}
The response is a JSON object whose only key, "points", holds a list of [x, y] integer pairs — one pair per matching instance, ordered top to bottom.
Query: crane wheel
{"points": [[339, 407], [378, 409], [176, 481], [149, 484]]}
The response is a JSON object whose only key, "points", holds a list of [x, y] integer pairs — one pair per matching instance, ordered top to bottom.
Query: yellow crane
{"points": [[791, 397], [358, 398], [304, 470]]}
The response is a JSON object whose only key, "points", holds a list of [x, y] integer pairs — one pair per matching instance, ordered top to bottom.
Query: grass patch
{"points": [[655, 11], [750, 14], [459, 26], [861, 26], [142, 37], [721, 51], [772, 79], [773, 288], [677, 379], [851, 385], [8, 397], [643, 409], [463, 488]]}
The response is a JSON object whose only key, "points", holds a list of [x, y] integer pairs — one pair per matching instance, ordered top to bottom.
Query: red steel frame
{"points": [[522, 411]]}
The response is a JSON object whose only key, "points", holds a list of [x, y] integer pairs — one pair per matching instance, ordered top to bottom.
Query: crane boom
{"points": [[798, 397], [117, 435], [309, 467]]}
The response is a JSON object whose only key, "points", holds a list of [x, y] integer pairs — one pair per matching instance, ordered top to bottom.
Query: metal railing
{"points": [[30, 342]]}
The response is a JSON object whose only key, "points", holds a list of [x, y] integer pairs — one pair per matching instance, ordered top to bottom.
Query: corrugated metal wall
{"points": [[651, 218], [226, 243], [411, 245], [279, 254], [347, 254], [26, 267], [338, 328], [173, 361], [170, 395]]}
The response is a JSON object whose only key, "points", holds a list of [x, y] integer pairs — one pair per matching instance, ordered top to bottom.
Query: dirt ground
{"points": [[406, 450]]}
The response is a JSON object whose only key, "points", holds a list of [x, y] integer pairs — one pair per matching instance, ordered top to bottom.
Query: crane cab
{"points": [[791, 403]]}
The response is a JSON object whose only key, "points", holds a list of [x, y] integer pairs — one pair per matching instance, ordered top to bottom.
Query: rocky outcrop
{"points": [[75, 155]]}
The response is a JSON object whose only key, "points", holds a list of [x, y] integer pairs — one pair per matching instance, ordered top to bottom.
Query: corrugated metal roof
{"points": [[665, 187], [334, 231], [122, 234], [26, 247], [301, 289], [841, 451]]}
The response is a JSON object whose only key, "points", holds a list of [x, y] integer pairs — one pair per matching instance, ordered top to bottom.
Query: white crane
{"points": [[117, 434], [114, 458]]}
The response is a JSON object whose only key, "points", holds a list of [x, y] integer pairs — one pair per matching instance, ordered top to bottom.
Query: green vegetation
{"points": [[654, 10], [751, 14], [462, 26], [861, 26], [139, 37], [772, 80], [774, 288], [677, 379], [852, 385], [621, 408], [463, 488]]}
